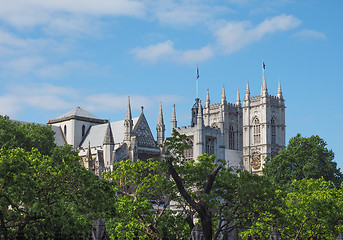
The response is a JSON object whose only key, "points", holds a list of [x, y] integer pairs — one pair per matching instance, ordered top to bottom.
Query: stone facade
{"points": [[242, 135], [100, 143]]}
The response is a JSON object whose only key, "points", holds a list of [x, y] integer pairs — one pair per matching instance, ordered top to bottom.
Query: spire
{"points": [[264, 90], [247, 91], [279, 91], [223, 99], [238, 99], [207, 103], [128, 110], [160, 116], [199, 116], [173, 120], [128, 123], [160, 127], [108, 140], [89, 152]]}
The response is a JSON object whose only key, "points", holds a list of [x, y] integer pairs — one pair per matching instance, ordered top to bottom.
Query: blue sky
{"points": [[59, 54]]}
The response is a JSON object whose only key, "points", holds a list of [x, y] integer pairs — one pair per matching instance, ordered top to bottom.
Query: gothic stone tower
{"points": [[263, 127]]}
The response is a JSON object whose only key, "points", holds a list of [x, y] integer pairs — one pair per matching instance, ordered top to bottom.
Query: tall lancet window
{"points": [[273, 129], [65, 130], [83, 130], [257, 131], [231, 137], [210, 142], [189, 152]]}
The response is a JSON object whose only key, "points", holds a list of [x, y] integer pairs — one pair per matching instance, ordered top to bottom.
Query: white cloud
{"points": [[29, 13], [185, 13], [309, 34], [236, 35], [231, 37], [166, 51], [153, 53], [49, 97]]}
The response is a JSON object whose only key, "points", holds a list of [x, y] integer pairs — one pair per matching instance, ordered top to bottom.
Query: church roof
{"points": [[79, 114], [97, 133]]}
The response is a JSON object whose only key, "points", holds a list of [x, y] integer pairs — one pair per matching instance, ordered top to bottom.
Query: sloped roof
{"points": [[79, 114], [97, 133], [59, 138]]}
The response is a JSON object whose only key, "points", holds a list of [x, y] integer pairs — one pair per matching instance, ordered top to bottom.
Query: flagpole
{"points": [[197, 86]]}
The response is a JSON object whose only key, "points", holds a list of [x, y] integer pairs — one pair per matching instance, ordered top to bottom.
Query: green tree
{"points": [[15, 134], [303, 158], [211, 192], [49, 197], [143, 202], [313, 210]]}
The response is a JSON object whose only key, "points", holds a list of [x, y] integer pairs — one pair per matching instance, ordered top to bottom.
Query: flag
{"points": [[264, 66], [197, 72]]}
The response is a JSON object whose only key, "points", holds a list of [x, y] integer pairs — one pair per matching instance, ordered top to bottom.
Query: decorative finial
{"points": [[142, 108]]}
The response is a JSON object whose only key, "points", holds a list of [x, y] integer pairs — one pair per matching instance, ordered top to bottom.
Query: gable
{"points": [[143, 133]]}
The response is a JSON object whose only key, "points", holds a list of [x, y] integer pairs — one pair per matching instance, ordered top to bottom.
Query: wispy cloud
{"points": [[22, 13], [185, 13], [308, 34], [233, 36], [230, 37], [166, 51], [49, 97]]}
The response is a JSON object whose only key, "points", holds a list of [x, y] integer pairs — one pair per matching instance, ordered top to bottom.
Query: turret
{"points": [[195, 109], [173, 120], [128, 123], [160, 127], [198, 135], [108, 148]]}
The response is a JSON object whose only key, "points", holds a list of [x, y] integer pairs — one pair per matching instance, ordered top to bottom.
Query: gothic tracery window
{"points": [[273, 130], [257, 131], [231, 137], [210, 143], [189, 152]]}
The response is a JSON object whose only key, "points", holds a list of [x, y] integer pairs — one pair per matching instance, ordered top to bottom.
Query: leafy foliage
{"points": [[26, 135], [304, 158], [209, 190], [42, 198], [143, 202], [313, 210]]}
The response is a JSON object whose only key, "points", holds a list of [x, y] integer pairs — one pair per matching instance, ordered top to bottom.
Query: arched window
{"points": [[65, 130], [83, 130], [273, 130], [257, 131], [231, 137], [210, 142], [189, 152]]}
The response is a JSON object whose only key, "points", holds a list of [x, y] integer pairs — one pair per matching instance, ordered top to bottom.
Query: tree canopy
{"points": [[14, 134], [303, 158], [44, 192], [212, 192], [45, 197], [312, 210]]}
